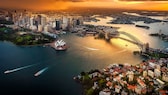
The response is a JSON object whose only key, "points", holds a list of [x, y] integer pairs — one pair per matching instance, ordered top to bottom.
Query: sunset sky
{"points": [[65, 4]]}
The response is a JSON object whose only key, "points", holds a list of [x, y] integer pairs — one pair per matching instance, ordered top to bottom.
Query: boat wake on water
{"points": [[93, 49], [124, 50], [25, 67], [18, 69], [41, 71]]}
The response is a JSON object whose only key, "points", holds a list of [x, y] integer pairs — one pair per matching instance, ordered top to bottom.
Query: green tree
{"points": [[19, 39], [102, 83], [90, 92]]}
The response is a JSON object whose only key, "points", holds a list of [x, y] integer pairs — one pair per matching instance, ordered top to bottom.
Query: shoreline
{"points": [[45, 44], [126, 78]]}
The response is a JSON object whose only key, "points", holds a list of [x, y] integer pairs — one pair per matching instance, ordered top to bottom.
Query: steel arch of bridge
{"points": [[133, 38]]}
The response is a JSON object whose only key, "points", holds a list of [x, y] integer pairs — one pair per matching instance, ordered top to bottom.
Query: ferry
{"points": [[142, 26]]}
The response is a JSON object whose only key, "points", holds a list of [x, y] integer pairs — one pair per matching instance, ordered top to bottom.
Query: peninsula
{"points": [[23, 38], [148, 77]]}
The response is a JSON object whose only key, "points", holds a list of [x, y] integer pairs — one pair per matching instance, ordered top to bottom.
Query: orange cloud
{"points": [[34, 4], [64, 4]]}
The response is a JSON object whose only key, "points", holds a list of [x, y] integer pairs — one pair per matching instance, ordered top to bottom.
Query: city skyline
{"points": [[159, 5], [84, 47]]}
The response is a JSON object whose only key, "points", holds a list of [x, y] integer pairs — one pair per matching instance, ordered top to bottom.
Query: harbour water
{"points": [[57, 69]]}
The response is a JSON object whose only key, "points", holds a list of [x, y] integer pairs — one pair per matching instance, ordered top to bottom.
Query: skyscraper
{"points": [[38, 19], [31, 21], [43, 21], [77, 22], [64, 24], [57, 26], [40, 28]]}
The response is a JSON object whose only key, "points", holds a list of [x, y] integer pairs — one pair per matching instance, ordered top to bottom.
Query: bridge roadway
{"points": [[133, 41], [136, 43]]}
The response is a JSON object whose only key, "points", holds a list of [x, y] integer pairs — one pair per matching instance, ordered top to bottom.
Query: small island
{"points": [[130, 19], [162, 36], [23, 38], [148, 77]]}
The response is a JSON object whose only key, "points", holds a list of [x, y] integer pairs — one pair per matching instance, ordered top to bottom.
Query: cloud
{"points": [[143, 0], [35, 4], [42, 4], [64, 4]]}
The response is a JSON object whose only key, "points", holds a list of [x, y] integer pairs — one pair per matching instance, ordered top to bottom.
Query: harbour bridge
{"points": [[132, 39]]}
